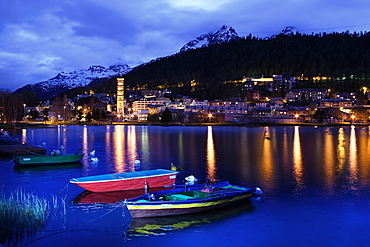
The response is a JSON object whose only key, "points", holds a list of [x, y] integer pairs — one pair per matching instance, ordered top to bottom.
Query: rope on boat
{"points": [[31, 152], [7, 162], [65, 187], [101, 216], [88, 222]]}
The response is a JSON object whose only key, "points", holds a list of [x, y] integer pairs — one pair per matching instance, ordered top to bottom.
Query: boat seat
{"points": [[224, 191], [180, 197]]}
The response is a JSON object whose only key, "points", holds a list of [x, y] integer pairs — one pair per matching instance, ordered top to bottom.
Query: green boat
{"points": [[42, 160]]}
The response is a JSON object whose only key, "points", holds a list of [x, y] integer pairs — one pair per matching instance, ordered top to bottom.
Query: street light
{"points": [[24, 111], [65, 113], [210, 116]]}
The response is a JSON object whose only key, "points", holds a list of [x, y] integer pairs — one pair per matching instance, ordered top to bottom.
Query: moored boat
{"points": [[6, 139], [19, 149], [43, 160], [127, 180], [112, 197], [189, 199]]}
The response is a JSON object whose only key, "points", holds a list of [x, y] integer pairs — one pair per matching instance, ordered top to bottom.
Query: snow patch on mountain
{"points": [[224, 35], [68, 80]]}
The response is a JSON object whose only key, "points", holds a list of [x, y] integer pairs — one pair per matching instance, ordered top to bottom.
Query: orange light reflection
{"points": [[24, 135], [84, 148], [118, 148], [131, 149], [341, 150], [211, 156], [297, 160], [328, 160], [266, 163], [353, 167]]}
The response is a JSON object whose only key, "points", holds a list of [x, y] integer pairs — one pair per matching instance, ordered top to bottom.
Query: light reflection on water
{"points": [[118, 148], [257, 154], [211, 156], [297, 161], [353, 162], [266, 166], [326, 168]]}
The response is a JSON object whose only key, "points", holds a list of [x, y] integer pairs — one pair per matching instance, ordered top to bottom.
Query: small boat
{"points": [[6, 139], [19, 149], [43, 160], [127, 180], [112, 197], [189, 199]]}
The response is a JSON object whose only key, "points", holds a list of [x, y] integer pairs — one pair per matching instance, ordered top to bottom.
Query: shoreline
{"points": [[25, 125]]}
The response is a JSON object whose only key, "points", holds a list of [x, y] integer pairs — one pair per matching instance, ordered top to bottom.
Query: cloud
{"points": [[41, 38]]}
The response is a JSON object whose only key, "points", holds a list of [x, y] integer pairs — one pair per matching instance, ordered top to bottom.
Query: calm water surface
{"points": [[316, 184]]}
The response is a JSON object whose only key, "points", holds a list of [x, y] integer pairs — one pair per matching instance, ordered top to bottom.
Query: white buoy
{"points": [[92, 153], [94, 159], [191, 180], [258, 191]]}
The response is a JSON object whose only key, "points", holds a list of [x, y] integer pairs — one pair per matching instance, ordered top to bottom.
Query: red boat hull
{"points": [[129, 184], [112, 197]]}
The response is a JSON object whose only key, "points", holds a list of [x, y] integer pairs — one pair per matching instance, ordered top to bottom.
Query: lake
{"points": [[316, 184]]}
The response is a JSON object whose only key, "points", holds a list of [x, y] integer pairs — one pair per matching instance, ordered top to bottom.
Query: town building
{"points": [[282, 83], [306, 95], [120, 96], [336, 102], [140, 105]]}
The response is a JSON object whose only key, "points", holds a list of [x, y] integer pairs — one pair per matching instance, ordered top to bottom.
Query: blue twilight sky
{"points": [[40, 38]]}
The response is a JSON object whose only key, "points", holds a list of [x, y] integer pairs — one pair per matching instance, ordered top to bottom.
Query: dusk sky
{"points": [[39, 39]]}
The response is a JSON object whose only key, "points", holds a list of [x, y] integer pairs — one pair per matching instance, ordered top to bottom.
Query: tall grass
{"points": [[21, 214]]}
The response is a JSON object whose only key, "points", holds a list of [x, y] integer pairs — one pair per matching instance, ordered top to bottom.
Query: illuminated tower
{"points": [[120, 95]]}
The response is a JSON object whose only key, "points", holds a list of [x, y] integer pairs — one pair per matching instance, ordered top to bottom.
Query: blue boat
{"points": [[188, 199]]}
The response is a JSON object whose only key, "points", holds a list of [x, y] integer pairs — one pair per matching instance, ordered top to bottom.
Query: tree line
{"points": [[343, 59]]}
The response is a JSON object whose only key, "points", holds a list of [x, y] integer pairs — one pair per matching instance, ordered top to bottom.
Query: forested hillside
{"points": [[206, 73]]}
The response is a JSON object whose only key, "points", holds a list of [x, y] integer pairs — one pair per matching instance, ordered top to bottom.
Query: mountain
{"points": [[224, 35], [216, 72], [97, 73], [68, 80]]}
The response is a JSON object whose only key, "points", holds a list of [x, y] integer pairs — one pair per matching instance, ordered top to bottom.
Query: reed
{"points": [[21, 214]]}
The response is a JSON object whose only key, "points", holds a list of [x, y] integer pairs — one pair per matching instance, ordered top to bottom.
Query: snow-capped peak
{"points": [[223, 35], [68, 80]]}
